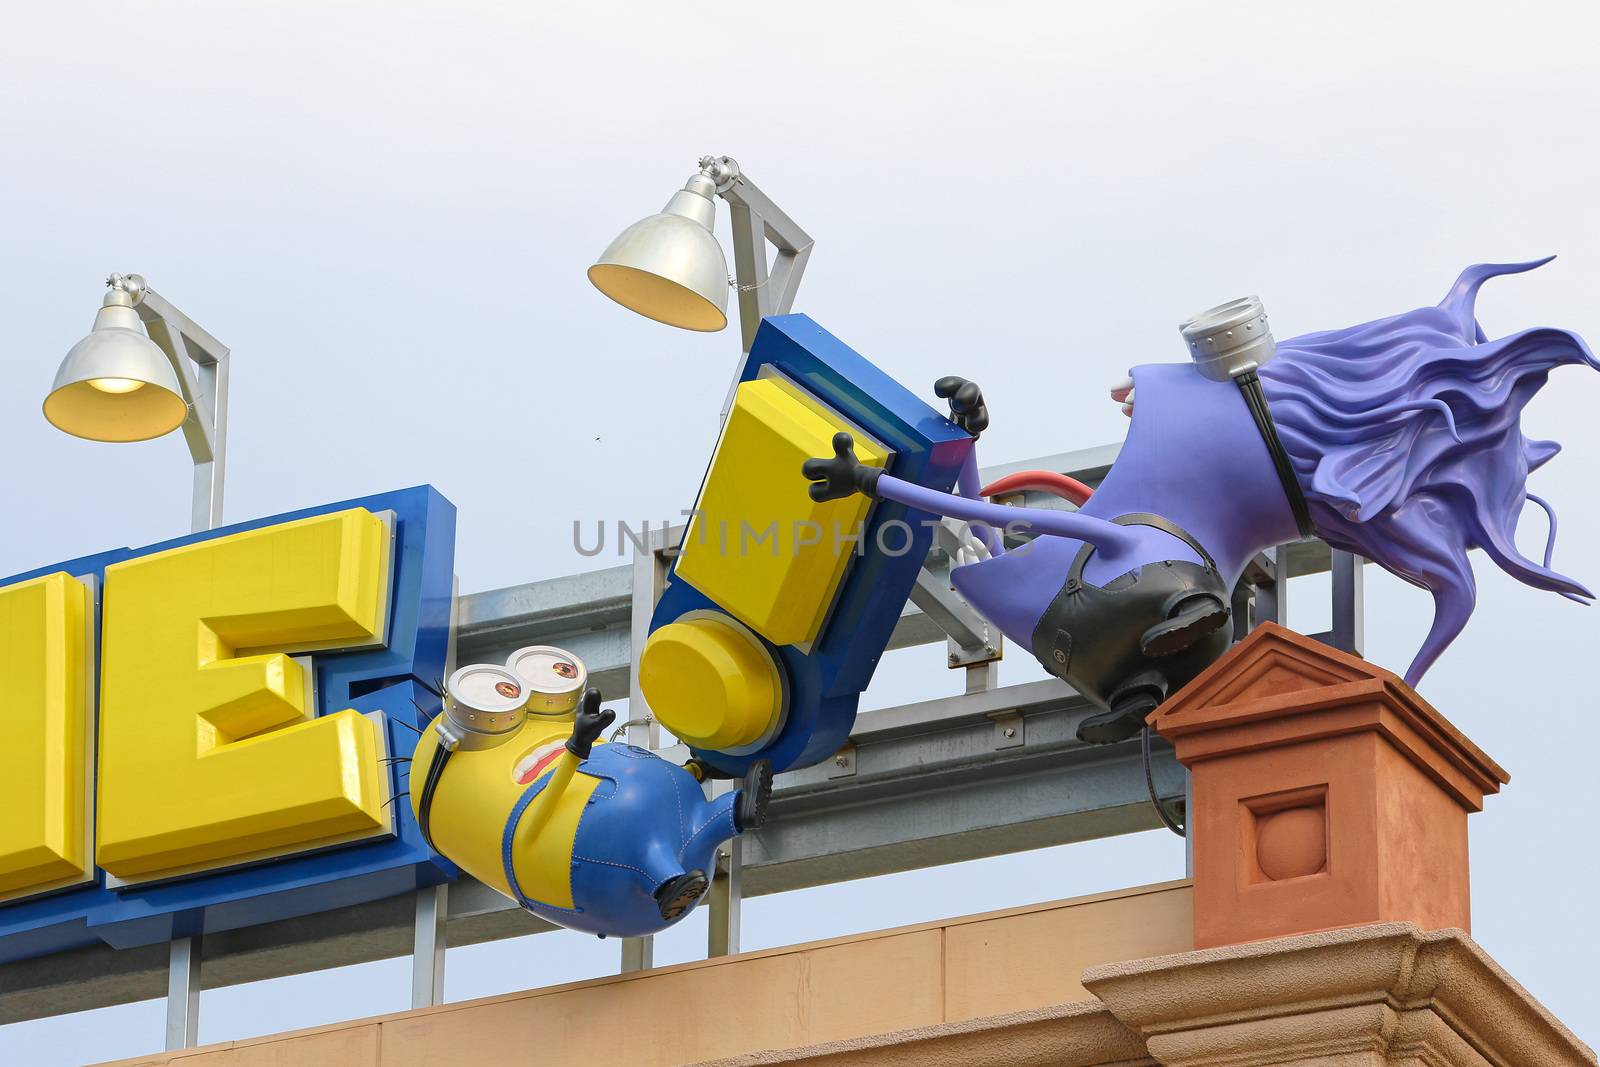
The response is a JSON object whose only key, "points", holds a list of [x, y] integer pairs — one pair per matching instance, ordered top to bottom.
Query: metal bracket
{"points": [[756, 221], [201, 363], [949, 535], [649, 581], [1257, 594], [1262, 594], [1348, 605], [972, 640], [1010, 731], [724, 902]]}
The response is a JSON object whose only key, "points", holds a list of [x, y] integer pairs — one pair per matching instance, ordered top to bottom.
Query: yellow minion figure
{"points": [[519, 790]]}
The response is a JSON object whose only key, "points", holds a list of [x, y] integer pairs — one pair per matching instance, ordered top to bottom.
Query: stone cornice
{"points": [[1387, 992]]}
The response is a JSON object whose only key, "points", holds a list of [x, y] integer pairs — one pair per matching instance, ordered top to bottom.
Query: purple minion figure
{"points": [[1399, 440]]}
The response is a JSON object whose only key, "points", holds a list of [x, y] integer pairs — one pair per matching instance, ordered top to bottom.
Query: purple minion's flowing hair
{"points": [[1405, 435]]}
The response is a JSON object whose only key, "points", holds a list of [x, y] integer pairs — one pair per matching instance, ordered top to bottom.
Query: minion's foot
{"points": [[1195, 616], [1129, 706], [751, 809], [678, 895]]}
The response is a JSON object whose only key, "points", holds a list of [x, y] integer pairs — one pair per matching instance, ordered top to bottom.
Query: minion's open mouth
{"points": [[535, 763]]}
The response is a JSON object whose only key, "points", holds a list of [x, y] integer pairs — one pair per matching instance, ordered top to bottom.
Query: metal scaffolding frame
{"points": [[986, 771]]}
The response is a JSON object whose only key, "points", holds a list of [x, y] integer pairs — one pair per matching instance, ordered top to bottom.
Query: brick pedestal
{"points": [[1327, 793]]}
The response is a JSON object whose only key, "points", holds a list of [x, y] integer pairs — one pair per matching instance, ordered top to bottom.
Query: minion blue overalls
{"points": [[645, 826]]}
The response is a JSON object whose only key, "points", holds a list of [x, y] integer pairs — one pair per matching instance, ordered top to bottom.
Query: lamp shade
{"points": [[670, 267], [116, 384]]}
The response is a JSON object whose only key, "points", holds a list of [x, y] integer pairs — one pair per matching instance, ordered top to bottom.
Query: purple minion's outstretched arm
{"points": [[843, 475], [1107, 536]]}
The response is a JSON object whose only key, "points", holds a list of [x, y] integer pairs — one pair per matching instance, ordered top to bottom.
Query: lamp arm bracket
{"points": [[757, 220], [153, 307], [198, 358], [200, 362], [198, 427]]}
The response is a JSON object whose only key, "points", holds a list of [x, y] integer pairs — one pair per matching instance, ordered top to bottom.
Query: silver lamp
{"points": [[670, 267], [145, 370], [115, 384]]}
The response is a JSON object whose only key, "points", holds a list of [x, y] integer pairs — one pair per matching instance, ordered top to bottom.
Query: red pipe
{"points": [[1043, 482]]}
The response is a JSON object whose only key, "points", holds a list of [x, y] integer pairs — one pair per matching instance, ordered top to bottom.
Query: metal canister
{"points": [[1229, 339], [555, 679], [484, 704]]}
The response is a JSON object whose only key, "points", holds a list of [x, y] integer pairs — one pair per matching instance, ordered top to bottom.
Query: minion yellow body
{"points": [[479, 788], [521, 793]]}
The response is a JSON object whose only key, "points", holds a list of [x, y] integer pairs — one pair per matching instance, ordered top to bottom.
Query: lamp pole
{"points": [[201, 363]]}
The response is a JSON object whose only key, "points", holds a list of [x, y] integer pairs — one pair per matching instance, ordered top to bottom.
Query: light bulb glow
{"points": [[116, 385]]}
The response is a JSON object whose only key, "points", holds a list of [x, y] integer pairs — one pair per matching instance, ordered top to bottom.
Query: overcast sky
{"points": [[386, 211]]}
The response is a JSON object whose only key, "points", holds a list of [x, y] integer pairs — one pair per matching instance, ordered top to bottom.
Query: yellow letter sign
{"points": [[44, 713], [209, 754]]}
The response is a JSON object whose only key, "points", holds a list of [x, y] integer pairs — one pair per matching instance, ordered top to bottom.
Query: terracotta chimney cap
{"points": [[1259, 695]]}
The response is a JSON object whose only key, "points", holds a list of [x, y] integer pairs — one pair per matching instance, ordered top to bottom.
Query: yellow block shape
{"points": [[758, 544], [711, 685], [44, 716], [209, 754]]}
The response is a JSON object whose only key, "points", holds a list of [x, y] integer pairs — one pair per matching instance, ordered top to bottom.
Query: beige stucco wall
{"points": [[948, 972]]}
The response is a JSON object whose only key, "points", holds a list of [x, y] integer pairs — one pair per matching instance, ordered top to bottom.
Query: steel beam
{"points": [[588, 614], [928, 783], [725, 901], [384, 929], [429, 942], [183, 993]]}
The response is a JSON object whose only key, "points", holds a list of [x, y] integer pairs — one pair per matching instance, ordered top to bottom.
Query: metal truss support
{"points": [[756, 221], [1268, 576], [648, 578], [1348, 632], [972, 639], [971, 642], [725, 901], [428, 946], [638, 954], [183, 993]]}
